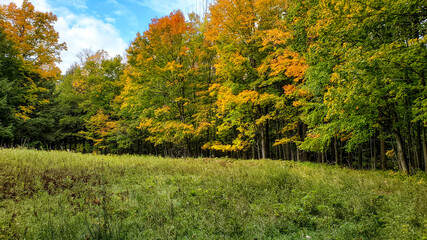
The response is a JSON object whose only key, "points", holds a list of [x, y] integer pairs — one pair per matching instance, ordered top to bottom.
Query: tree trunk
{"points": [[267, 137], [263, 144], [424, 144], [409, 147], [418, 149], [336, 150], [373, 153], [401, 153], [286, 154], [382, 154], [304, 157], [349, 160]]}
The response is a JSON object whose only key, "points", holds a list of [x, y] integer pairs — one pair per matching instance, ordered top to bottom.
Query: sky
{"points": [[105, 24]]}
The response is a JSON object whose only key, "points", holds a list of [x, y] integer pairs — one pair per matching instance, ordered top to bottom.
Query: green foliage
{"points": [[8, 68], [85, 98], [53, 195]]}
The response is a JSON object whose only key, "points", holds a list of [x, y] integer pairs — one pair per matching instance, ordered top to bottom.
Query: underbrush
{"points": [[62, 195]]}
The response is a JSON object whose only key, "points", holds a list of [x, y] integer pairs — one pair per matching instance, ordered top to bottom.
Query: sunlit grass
{"points": [[61, 195]]}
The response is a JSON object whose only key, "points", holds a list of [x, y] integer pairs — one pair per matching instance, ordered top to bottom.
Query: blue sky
{"points": [[110, 25]]}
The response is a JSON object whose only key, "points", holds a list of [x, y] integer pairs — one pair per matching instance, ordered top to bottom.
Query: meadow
{"points": [[64, 195]]}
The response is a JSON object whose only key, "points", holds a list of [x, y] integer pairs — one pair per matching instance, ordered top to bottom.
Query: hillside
{"points": [[62, 195]]}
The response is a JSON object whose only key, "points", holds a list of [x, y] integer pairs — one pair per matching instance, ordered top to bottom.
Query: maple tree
{"points": [[232, 29], [34, 36], [252, 40], [36, 44], [164, 73]]}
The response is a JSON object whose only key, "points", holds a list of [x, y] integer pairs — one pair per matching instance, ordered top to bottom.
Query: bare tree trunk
{"points": [[303, 134], [267, 137], [263, 144], [424, 144], [409, 148], [418, 148], [336, 150], [373, 153], [401, 153], [286, 154], [382, 154], [349, 160]]}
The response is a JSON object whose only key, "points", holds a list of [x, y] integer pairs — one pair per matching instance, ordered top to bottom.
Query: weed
{"points": [[62, 195]]}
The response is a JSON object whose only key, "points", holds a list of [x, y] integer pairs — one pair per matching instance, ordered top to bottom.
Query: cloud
{"points": [[81, 4], [39, 5], [166, 7], [119, 12], [109, 19], [80, 32]]}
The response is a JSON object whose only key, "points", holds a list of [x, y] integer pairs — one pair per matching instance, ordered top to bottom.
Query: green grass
{"points": [[61, 195]]}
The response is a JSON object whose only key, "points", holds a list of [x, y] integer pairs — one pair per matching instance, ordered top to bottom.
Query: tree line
{"points": [[331, 81]]}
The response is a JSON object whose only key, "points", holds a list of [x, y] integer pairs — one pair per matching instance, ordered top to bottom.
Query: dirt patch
{"points": [[26, 184]]}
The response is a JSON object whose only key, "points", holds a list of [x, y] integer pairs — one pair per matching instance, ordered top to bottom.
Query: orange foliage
{"points": [[231, 19], [34, 36], [290, 64], [289, 89], [313, 135]]}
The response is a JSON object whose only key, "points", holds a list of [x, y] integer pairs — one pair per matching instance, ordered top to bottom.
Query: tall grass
{"points": [[62, 195]]}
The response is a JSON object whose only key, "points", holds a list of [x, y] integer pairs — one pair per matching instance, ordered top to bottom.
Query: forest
{"points": [[328, 81]]}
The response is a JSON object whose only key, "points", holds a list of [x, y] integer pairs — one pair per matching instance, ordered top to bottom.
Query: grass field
{"points": [[62, 195]]}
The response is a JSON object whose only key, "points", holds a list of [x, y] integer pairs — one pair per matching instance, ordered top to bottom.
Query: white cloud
{"points": [[79, 4], [39, 5], [166, 7], [119, 12], [110, 20], [80, 32]]}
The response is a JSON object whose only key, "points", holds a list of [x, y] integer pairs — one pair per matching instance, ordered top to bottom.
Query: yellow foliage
{"points": [[276, 36], [296, 103], [165, 110], [263, 119], [145, 123], [100, 127], [284, 141], [237, 145], [390, 153]]}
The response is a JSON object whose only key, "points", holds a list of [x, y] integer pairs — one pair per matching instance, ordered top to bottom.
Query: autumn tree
{"points": [[233, 30], [34, 36], [251, 39], [36, 43], [368, 62], [29, 73], [9, 75], [163, 79], [87, 95]]}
